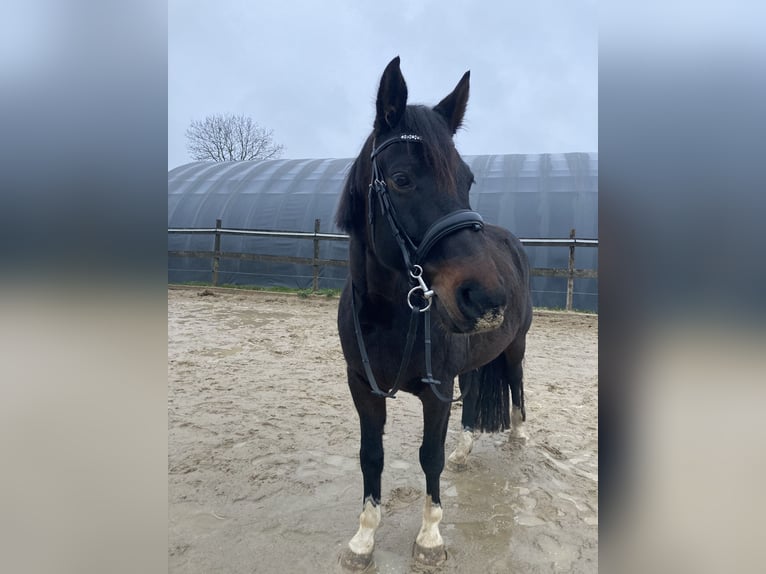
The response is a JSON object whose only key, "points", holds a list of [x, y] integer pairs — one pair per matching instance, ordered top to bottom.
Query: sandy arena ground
{"points": [[263, 449]]}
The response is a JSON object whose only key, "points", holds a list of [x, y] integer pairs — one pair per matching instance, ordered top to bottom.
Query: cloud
{"points": [[310, 70]]}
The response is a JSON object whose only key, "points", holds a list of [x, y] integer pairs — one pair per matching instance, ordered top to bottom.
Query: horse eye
{"points": [[401, 180]]}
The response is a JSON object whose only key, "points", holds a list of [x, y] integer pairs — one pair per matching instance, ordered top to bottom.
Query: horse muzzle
{"points": [[472, 307]]}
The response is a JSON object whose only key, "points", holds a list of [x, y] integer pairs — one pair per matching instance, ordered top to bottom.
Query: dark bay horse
{"points": [[433, 293]]}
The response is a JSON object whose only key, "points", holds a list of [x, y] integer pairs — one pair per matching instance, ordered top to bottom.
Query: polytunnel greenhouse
{"points": [[533, 195]]}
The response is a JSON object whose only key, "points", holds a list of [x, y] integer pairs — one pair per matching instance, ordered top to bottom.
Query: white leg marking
{"points": [[517, 428], [463, 448], [429, 536], [364, 540]]}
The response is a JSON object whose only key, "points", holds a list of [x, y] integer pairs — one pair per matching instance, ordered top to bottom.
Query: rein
{"points": [[413, 256]]}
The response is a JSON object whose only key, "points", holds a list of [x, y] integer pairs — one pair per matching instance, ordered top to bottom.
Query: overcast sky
{"points": [[309, 70]]}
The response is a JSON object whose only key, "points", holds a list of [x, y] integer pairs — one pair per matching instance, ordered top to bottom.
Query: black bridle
{"points": [[413, 256]]}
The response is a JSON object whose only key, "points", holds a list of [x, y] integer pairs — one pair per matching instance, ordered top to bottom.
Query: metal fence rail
{"points": [[570, 272]]}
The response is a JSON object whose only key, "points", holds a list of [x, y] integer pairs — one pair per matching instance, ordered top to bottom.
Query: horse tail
{"points": [[493, 408]]}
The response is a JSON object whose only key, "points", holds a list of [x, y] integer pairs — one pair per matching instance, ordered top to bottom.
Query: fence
{"points": [[570, 272]]}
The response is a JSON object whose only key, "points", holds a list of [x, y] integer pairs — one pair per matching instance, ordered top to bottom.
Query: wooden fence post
{"points": [[216, 251], [315, 259], [570, 272]]}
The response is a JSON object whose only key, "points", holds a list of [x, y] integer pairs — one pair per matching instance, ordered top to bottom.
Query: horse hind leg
{"points": [[515, 357], [468, 388], [518, 410], [459, 457]]}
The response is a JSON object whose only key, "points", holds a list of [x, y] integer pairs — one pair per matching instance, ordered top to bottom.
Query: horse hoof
{"points": [[518, 435], [457, 458], [456, 466], [429, 556], [355, 562]]}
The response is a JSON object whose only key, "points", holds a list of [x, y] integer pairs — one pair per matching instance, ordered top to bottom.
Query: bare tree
{"points": [[229, 137]]}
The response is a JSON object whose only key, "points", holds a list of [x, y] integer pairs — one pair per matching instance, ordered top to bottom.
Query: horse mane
{"points": [[440, 155], [350, 214]]}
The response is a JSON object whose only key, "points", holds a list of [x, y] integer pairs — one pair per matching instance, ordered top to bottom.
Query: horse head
{"points": [[406, 200]]}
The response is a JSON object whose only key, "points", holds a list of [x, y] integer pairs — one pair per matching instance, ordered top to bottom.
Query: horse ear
{"points": [[392, 97], [453, 106]]}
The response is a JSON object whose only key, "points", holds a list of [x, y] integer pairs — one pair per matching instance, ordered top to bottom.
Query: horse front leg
{"points": [[372, 419], [429, 545]]}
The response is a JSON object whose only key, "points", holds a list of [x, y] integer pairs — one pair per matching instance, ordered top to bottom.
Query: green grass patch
{"points": [[303, 293], [563, 310]]}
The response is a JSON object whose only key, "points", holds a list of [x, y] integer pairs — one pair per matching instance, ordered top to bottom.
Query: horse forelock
{"points": [[440, 153], [351, 210]]}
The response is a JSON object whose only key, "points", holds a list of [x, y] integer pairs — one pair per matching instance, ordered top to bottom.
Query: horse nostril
{"points": [[465, 296]]}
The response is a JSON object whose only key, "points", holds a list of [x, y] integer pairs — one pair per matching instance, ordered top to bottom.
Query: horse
{"points": [[433, 293]]}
